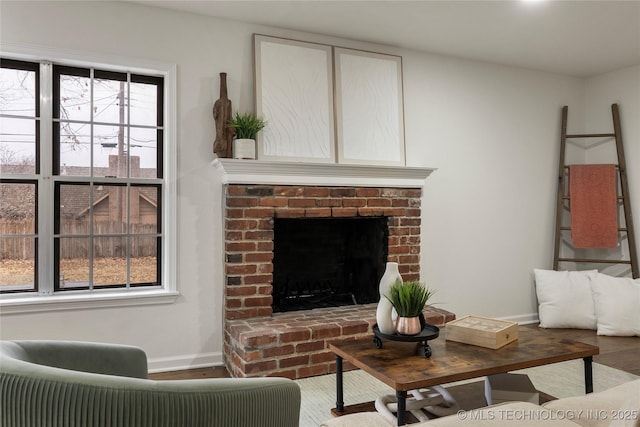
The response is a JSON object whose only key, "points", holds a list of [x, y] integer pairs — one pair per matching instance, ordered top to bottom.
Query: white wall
{"points": [[621, 87], [492, 131]]}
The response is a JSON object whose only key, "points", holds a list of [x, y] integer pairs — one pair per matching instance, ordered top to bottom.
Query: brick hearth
{"points": [[295, 344]]}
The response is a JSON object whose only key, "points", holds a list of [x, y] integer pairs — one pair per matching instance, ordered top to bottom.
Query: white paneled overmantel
{"points": [[328, 104], [236, 171]]}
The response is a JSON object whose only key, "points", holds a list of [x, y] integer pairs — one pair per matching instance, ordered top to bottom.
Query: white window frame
{"points": [[14, 303]]}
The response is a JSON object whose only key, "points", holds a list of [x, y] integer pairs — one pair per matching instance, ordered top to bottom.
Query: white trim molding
{"points": [[298, 173], [20, 304], [522, 319], [185, 361]]}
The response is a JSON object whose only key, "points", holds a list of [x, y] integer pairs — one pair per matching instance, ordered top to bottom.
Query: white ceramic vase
{"points": [[244, 149], [384, 312]]}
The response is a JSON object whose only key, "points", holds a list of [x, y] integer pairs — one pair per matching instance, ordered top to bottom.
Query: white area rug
{"points": [[559, 380]]}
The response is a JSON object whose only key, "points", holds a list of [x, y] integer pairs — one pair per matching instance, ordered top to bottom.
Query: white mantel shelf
{"points": [[298, 173]]}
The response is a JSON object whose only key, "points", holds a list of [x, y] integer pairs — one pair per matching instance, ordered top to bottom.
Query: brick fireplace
{"points": [[295, 344]]}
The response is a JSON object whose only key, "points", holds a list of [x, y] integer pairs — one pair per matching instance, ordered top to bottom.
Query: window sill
{"points": [[82, 300]]}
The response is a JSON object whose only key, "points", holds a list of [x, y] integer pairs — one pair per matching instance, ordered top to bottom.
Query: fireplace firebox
{"points": [[327, 262]]}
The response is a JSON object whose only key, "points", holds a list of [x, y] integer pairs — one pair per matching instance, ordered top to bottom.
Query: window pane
{"points": [[18, 92], [75, 98], [110, 101], [144, 104], [17, 145], [109, 151], [144, 153], [75, 154], [74, 207], [17, 208], [110, 209], [143, 214], [100, 223], [144, 260], [110, 261], [74, 262], [17, 264]]}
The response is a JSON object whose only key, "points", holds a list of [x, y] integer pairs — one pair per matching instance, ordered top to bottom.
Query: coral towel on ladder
{"points": [[594, 218]]}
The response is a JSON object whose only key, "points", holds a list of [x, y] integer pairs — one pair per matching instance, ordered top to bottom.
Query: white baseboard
{"points": [[522, 319], [187, 361], [194, 361]]}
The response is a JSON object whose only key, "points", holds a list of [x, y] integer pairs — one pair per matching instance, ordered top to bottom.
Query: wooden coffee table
{"points": [[398, 365]]}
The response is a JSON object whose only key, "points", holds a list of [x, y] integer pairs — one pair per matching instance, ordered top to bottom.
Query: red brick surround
{"points": [[250, 211]]}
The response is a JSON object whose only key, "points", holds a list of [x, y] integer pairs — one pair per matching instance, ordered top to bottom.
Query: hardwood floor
{"points": [[616, 352], [192, 374]]}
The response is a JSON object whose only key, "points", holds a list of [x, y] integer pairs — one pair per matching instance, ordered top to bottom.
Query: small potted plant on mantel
{"points": [[246, 127], [409, 299]]}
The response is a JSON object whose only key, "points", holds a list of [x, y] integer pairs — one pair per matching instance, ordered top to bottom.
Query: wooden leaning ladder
{"points": [[623, 197]]}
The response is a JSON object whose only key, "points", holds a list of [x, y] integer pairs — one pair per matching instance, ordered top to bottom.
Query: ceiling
{"points": [[578, 38]]}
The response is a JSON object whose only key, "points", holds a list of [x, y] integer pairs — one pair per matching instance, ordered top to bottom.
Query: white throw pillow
{"points": [[564, 299], [617, 301]]}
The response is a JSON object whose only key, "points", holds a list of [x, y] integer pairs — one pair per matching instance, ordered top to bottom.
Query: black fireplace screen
{"points": [[327, 262]]}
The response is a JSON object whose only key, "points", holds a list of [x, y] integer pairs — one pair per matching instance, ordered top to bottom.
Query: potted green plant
{"points": [[246, 126], [409, 299]]}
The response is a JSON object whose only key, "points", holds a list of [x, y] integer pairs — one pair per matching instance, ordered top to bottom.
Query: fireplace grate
{"points": [[310, 294]]}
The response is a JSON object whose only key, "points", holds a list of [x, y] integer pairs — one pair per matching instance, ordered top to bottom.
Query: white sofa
{"points": [[616, 407]]}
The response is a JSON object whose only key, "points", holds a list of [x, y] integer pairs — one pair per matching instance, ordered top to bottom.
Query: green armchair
{"points": [[69, 384]]}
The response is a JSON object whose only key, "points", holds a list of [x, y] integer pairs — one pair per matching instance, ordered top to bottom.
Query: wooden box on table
{"points": [[482, 331]]}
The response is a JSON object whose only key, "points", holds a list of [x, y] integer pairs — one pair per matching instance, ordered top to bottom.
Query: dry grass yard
{"points": [[105, 270]]}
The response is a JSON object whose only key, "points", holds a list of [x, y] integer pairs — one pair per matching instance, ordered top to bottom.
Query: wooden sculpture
{"points": [[222, 115]]}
